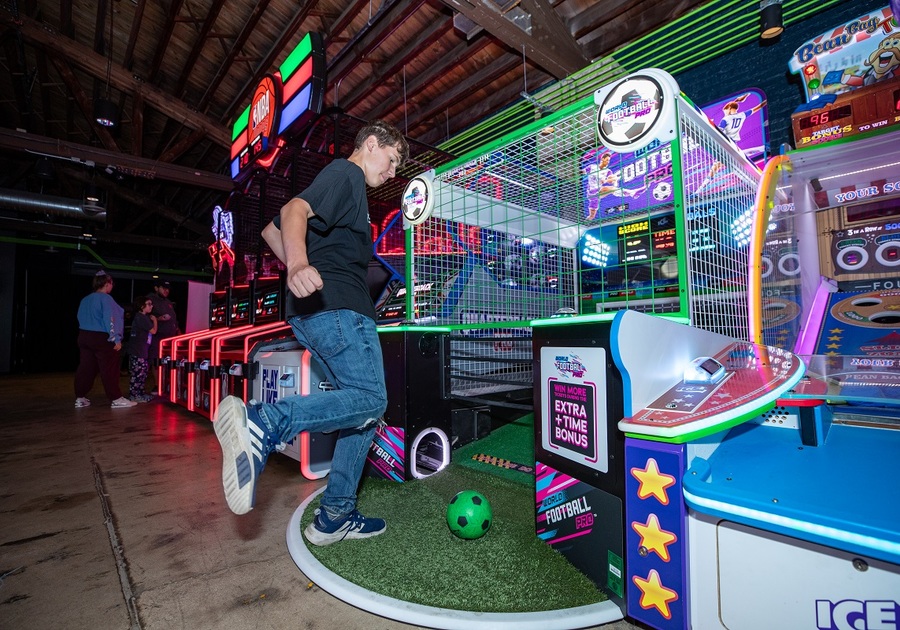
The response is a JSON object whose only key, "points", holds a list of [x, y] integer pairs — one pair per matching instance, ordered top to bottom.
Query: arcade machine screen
{"points": [[630, 265], [268, 296], [240, 306], [218, 309]]}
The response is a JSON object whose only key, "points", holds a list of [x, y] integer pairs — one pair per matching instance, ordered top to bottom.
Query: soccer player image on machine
{"points": [[734, 119], [602, 181]]}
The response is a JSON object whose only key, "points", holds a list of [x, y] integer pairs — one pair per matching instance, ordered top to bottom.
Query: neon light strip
{"points": [[297, 57], [296, 82], [293, 110], [240, 125], [235, 168], [765, 201], [806, 342], [822, 531]]}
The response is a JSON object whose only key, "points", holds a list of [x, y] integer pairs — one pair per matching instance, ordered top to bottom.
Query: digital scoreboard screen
{"points": [[871, 108], [635, 260], [268, 298], [240, 306], [218, 309]]}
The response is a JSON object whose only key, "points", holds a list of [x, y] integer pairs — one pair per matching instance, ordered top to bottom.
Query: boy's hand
{"points": [[304, 280]]}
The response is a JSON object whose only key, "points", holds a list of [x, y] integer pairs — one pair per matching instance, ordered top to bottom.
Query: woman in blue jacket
{"points": [[100, 328]]}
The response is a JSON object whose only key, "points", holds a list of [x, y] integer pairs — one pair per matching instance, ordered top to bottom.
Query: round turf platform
{"points": [[432, 617]]}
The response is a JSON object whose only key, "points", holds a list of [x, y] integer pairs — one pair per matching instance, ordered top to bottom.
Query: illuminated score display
{"points": [[864, 110]]}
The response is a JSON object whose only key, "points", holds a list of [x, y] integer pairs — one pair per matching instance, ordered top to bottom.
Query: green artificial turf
{"points": [[513, 442], [419, 560]]}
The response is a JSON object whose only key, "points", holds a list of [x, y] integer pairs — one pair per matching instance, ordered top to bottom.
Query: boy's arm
{"points": [[302, 279]]}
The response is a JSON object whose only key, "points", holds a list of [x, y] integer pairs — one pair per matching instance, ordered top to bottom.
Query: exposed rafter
{"points": [[548, 43]]}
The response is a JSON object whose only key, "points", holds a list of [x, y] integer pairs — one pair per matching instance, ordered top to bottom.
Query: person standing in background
{"points": [[164, 311], [100, 324], [143, 327]]}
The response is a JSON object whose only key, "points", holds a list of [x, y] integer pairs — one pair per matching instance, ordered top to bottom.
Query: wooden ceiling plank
{"points": [[136, 21], [382, 24], [200, 42], [163, 43], [236, 46], [460, 53], [559, 56], [95, 65], [394, 66], [84, 104]]}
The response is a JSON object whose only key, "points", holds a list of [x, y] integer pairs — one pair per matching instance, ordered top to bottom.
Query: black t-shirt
{"points": [[338, 241]]}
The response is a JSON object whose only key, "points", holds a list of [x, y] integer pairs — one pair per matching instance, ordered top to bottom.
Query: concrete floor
{"points": [[115, 518]]}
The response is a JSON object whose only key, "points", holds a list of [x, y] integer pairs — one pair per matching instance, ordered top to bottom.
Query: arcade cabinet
{"points": [[630, 199]]}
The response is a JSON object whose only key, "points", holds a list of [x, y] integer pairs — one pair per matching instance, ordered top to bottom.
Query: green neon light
{"points": [[688, 31], [296, 58], [240, 125], [106, 265], [598, 317], [386, 330], [702, 433]]}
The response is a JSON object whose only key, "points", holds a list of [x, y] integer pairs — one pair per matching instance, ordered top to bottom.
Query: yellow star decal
{"points": [[836, 331], [835, 338], [833, 346], [831, 354], [652, 482], [654, 538], [654, 594]]}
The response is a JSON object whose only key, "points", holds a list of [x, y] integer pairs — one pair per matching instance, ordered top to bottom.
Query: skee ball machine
{"points": [[630, 199]]}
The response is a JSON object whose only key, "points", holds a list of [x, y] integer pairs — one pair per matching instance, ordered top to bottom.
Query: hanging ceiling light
{"points": [[770, 21], [105, 111]]}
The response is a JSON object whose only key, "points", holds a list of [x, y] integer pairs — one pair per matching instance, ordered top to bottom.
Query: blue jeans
{"points": [[346, 344]]}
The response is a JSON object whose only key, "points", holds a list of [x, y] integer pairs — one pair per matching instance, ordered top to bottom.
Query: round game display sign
{"points": [[636, 111], [418, 200]]}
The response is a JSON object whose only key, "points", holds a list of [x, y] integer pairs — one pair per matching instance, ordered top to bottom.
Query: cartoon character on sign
{"points": [[882, 63]]}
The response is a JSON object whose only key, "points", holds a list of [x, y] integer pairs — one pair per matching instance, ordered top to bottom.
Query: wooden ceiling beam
{"points": [[631, 24], [380, 26], [39, 34], [199, 43], [162, 44], [236, 46], [549, 46], [457, 55], [265, 66], [394, 66], [480, 80], [84, 104], [129, 164]]}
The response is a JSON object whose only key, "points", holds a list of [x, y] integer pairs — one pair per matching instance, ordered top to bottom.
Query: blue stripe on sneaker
{"points": [[244, 470]]}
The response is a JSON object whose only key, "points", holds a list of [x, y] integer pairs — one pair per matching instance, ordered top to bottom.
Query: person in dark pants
{"points": [[324, 238], [164, 311], [143, 326], [100, 328]]}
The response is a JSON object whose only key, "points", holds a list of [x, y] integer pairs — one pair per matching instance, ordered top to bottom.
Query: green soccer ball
{"points": [[469, 515]]}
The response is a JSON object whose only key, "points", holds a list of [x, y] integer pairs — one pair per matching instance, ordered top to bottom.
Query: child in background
{"points": [[143, 327]]}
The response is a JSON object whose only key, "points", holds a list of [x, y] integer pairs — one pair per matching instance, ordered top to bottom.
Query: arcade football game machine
{"points": [[630, 199], [417, 439]]}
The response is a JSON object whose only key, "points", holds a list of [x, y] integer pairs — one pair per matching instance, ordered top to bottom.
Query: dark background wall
{"points": [[764, 65]]}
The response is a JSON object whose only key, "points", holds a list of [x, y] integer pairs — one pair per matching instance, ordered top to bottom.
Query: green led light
{"points": [[814, 84]]}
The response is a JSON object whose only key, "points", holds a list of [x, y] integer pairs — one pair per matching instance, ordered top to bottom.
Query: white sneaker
{"points": [[82, 402], [122, 402]]}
